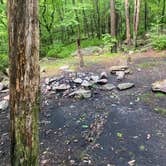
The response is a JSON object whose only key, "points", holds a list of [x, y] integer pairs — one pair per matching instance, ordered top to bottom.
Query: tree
{"points": [[137, 4], [113, 18], [113, 22], [128, 33], [24, 81]]}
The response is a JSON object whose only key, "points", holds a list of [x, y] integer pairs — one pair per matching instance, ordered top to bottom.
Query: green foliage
{"points": [[109, 41], [159, 41], [60, 50], [3, 61]]}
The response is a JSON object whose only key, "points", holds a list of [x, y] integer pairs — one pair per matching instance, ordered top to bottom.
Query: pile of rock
{"points": [[81, 84]]}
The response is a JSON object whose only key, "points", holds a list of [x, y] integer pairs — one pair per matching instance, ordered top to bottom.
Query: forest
{"points": [[63, 22], [83, 83]]}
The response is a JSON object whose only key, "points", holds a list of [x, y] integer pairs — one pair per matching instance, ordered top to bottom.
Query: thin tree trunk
{"points": [[146, 15], [163, 15], [113, 18], [136, 20], [113, 21], [128, 33], [24, 81]]}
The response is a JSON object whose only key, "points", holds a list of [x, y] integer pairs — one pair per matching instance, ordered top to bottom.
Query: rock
{"points": [[89, 51], [64, 68], [113, 69], [128, 71], [103, 75], [120, 75], [1, 76], [94, 78], [47, 81], [77, 81], [102, 81], [86, 83], [1, 86], [125, 86], [159, 86], [61, 87], [108, 87], [81, 93], [6, 97], [4, 105]]}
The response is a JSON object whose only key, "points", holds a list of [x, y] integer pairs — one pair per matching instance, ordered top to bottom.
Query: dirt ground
{"points": [[111, 128]]}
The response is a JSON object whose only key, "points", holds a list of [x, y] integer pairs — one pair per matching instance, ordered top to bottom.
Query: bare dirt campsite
{"points": [[100, 125]]}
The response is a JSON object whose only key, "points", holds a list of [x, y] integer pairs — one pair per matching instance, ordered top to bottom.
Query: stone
{"points": [[93, 50], [64, 68], [113, 69], [103, 75], [120, 75], [1, 76], [94, 78], [47, 81], [77, 81], [102, 81], [86, 83], [1, 86], [125, 86], [159, 86], [61, 87], [108, 87], [81, 93], [6, 97], [4, 105]]}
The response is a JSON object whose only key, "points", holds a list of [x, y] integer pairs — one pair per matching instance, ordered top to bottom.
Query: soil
{"points": [[111, 128]]}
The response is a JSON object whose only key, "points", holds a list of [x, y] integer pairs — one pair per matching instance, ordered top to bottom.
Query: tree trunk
{"points": [[146, 15], [163, 16], [113, 18], [136, 20], [113, 21], [128, 33], [81, 59], [24, 81]]}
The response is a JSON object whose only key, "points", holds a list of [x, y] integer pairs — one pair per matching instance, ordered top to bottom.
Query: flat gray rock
{"points": [[113, 69], [125, 86], [159, 86], [61, 87], [108, 87], [81, 93]]}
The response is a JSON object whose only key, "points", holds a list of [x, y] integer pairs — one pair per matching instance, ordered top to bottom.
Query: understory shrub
{"points": [[159, 41]]}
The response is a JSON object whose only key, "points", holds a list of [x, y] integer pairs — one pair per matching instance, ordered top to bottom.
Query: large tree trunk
{"points": [[137, 4], [128, 33], [24, 81]]}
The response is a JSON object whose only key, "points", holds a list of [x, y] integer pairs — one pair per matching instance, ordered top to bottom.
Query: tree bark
{"points": [[137, 4], [113, 18], [113, 22], [23, 29], [128, 33]]}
